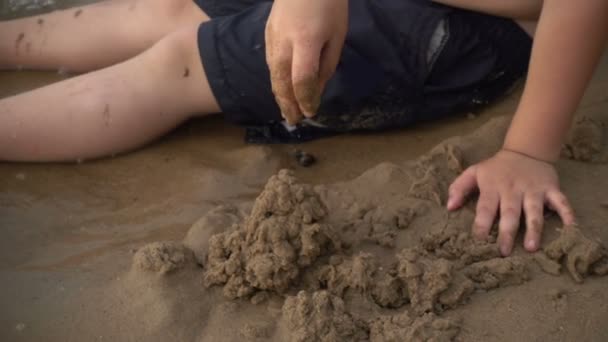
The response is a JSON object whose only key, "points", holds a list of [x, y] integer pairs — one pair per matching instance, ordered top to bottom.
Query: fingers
{"points": [[279, 59], [305, 74], [280, 76], [461, 188], [558, 202], [487, 207], [533, 208], [510, 213]]}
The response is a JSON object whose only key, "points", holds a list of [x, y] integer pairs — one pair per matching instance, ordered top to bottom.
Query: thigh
{"points": [[93, 36], [111, 110]]}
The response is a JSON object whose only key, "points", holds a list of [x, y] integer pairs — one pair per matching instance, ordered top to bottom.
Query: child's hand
{"points": [[304, 40], [508, 182]]}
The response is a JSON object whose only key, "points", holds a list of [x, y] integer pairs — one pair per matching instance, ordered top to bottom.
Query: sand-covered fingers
{"points": [[303, 44], [279, 57], [305, 71], [511, 202], [559, 202], [487, 207], [533, 209]]}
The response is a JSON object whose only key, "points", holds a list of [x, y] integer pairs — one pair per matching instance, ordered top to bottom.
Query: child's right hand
{"points": [[304, 40], [511, 185]]}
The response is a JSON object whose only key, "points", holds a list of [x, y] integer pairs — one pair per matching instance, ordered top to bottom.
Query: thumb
{"points": [[462, 186]]}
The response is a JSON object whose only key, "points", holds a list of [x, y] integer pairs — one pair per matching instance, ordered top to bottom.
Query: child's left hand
{"points": [[508, 182]]}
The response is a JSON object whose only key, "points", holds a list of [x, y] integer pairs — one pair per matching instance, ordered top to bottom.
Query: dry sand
{"points": [[202, 238]]}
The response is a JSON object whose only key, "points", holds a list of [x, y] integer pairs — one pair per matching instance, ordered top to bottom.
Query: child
{"points": [[303, 44], [404, 61]]}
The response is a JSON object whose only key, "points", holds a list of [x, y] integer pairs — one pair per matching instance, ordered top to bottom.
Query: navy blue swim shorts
{"points": [[404, 61]]}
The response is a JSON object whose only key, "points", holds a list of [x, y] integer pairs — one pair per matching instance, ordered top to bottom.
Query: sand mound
{"points": [[282, 235]]}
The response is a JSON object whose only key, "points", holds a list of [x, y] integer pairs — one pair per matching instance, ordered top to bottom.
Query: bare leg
{"points": [[91, 37], [111, 110]]}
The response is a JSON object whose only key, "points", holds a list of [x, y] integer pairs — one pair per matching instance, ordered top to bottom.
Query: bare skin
{"points": [[48, 41], [303, 49], [553, 91], [111, 110], [520, 179]]}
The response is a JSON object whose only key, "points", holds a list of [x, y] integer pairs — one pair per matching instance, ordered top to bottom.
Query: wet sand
{"points": [[70, 232]]}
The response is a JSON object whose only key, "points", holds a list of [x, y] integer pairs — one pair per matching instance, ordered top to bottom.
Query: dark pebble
{"points": [[306, 160]]}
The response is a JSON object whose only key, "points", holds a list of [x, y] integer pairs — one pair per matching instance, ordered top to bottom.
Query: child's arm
{"points": [[569, 41]]}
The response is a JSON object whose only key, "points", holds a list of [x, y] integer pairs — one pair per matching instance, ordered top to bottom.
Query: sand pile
{"points": [[376, 258]]}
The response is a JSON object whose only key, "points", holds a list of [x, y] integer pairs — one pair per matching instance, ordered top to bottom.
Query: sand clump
{"points": [[585, 141], [435, 171], [384, 223], [282, 235], [580, 255], [162, 257], [450, 266], [319, 316]]}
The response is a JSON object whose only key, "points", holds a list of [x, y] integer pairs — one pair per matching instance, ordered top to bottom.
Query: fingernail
{"points": [[450, 203]]}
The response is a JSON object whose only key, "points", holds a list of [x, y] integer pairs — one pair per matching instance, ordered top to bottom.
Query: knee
{"points": [[175, 13], [180, 43], [175, 52]]}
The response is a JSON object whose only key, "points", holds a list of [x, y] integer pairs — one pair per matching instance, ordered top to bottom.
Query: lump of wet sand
{"points": [[585, 141], [435, 171], [385, 223], [283, 234], [580, 255], [162, 257], [450, 265], [353, 273], [319, 316]]}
